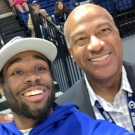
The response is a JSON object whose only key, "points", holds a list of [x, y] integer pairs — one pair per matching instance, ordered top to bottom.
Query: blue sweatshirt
{"points": [[67, 120]]}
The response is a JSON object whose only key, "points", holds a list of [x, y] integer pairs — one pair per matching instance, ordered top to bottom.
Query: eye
{"points": [[105, 31], [80, 39], [40, 69], [17, 73]]}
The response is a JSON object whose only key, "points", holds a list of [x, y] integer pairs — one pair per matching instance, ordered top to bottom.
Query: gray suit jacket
{"points": [[78, 93]]}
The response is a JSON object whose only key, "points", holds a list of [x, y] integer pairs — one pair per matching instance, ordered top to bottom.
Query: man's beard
{"points": [[22, 109]]}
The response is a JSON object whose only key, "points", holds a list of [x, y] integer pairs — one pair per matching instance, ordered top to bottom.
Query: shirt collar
{"points": [[125, 85]]}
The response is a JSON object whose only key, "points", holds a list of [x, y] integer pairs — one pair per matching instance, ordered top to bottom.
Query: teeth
{"points": [[100, 59], [33, 92]]}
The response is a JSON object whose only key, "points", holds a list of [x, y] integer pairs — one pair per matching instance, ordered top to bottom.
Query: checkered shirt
{"points": [[119, 110]]}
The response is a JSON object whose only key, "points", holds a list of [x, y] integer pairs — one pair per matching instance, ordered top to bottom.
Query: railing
{"points": [[123, 12], [2, 42]]}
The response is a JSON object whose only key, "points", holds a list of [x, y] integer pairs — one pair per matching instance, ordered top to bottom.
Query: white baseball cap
{"points": [[20, 44]]}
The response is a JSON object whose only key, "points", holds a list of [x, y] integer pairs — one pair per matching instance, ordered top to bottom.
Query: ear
{"points": [[118, 32], [70, 52]]}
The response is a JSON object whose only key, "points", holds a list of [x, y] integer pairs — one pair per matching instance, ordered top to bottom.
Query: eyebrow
{"points": [[102, 24], [82, 32], [40, 58], [20, 59], [14, 61]]}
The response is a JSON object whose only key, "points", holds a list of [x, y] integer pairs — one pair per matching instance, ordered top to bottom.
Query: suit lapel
{"points": [[130, 69], [84, 102]]}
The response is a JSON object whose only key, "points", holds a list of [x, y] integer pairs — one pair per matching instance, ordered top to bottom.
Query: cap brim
{"points": [[34, 3], [42, 46]]}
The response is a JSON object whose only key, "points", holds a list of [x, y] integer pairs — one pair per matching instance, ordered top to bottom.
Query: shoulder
{"points": [[42, 10], [127, 64], [130, 67], [73, 93], [88, 126], [8, 129], [2, 131]]}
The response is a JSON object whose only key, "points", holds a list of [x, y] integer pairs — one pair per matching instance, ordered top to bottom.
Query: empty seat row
{"points": [[111, 5]]}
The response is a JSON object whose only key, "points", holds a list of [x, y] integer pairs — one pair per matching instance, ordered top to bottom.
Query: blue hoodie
{"points": [[67, 120]]}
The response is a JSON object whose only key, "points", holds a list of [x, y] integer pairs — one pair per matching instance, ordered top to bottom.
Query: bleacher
{"points": [[44, 4], [123, 12], [22, 19]]}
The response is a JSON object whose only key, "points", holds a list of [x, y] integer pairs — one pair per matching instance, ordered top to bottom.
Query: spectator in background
{"points": [[76, 3], [18, 4], [61, 12], [41, 20]]}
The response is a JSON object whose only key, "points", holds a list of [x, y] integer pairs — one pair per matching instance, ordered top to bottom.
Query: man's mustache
{"points": [[101, 51]]}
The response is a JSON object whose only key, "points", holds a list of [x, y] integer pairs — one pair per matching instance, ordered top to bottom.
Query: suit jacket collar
{"points": [[130, 69], [84, 102]]}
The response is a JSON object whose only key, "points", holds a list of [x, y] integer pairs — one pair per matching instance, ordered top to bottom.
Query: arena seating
{"points": [[44, 4], [107, 4], [123, 4]]}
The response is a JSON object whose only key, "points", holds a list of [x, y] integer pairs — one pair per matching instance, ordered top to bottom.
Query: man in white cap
{"points": [[25, 74]]}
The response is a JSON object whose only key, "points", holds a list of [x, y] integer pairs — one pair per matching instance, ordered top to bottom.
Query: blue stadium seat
{"points": [[52, 1], [41, 2], [67, 3], [105, 4], [123, 4], [49, 8], [24, 18], [53, 19]]}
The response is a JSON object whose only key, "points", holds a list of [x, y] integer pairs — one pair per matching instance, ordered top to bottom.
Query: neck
{"points": [[37, 11], [106, 88], [23, 123]]}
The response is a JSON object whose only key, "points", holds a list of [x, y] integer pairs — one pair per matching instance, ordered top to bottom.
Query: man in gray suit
{"points": [[106, 91]]}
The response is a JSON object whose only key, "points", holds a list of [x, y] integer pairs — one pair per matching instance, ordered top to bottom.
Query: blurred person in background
{"points": [[18, 4], [61, 12], [41, 20]]}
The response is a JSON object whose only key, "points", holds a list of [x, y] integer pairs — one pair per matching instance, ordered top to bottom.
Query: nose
{"points": [[95, 44], [32, 78]]}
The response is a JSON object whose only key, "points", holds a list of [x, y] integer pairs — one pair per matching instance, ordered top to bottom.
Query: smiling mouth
{"points": [[100, 58], [33, 93]]}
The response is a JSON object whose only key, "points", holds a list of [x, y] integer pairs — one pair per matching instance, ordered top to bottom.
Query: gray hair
{"points": [[92, 5]]}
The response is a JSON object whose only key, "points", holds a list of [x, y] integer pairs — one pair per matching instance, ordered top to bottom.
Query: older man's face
{"points": [[95, 42], [28, 85]]}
